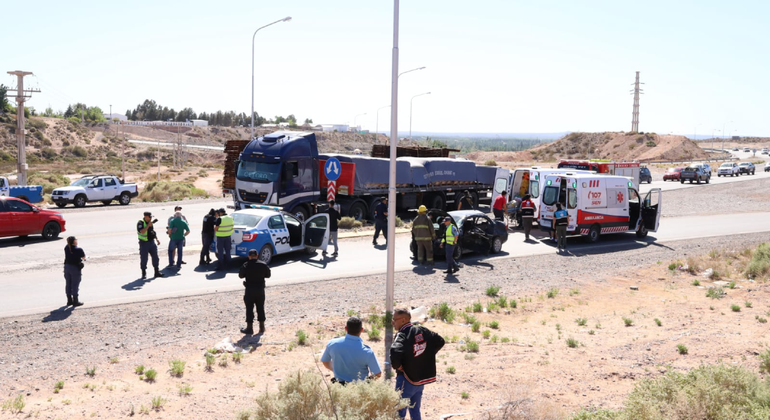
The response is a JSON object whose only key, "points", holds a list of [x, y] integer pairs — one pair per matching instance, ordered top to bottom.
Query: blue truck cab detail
{"points": [[279, 169], [30, 193]]}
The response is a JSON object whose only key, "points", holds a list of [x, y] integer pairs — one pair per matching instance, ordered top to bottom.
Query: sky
{"points": [[491, 66]]}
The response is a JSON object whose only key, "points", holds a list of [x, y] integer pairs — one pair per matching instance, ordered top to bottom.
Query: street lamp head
{"points": [[287, 18]]}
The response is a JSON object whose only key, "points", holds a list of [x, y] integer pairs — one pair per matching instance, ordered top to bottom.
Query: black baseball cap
{"points": [[177, 208], [222, 211], [148, 214], [253, 253]]}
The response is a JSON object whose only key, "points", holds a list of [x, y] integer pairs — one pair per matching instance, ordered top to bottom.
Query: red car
{"points": [[672, 174], [19, 218]]}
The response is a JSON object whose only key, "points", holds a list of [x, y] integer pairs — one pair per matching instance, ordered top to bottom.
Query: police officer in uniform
{"points": [[223, 229], [207, 235], [448, 243], [148, 244], [73, 265], [255, 272]]}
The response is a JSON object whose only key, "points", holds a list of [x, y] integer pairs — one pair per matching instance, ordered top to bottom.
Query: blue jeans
{"points": [[175, 245], [223, 251], [413, 393]]}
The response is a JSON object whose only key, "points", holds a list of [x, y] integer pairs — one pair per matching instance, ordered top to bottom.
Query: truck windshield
{"points": [[262, 172], [550, 195]]}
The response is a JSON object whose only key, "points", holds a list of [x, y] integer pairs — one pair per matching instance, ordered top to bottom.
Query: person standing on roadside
{"points": [[467, 201], [499, 206], [177, 209], [528, 209], [334, 217], [381, 220], [560, 221], [223, 229], [179, 230], [424, 234], [207, 236], [448, 243], [148, 244], [73, 266], [255, 272], [413, 356], [349, 358]]}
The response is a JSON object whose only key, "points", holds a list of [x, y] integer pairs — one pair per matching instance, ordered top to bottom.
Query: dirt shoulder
{"points": [[534, 363]]}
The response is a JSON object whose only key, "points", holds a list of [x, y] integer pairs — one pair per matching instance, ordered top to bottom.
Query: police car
{"points": [[273, 232]]}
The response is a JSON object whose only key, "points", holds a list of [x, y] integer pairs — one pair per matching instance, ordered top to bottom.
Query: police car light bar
{"points": [[254, 206]]}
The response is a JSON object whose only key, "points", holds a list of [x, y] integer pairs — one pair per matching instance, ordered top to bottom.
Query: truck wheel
{"points": [[681, 182], [475, 196], [125, 199], [80, 200], [436, 201], [106, 202], [61, 205], [357, 211], [301, 213], [51, 231], [642, 232], [593, 234], [497, 245], [266, 253]]}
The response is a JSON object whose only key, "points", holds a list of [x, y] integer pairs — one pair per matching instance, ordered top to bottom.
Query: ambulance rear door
{"points": [[501, 183], [651, 209]]}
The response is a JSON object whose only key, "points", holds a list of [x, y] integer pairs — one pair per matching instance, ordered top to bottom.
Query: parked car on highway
{"points": [[735, 149], [746, 149], [765, 151], [767, 167], [747, 168], [728, 169], [672, 174], [694, 174], [645, 175], [104, 188], [28, 193], [20, 218], [272, 231], [477, 233]]}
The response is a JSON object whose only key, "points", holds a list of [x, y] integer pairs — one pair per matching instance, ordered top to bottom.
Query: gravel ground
{"points": [[745, 197], [60, 344]]}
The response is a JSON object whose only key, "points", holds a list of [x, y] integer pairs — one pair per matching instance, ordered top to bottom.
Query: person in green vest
{"points": [[223, 229], [448, 243], [148, 244]]}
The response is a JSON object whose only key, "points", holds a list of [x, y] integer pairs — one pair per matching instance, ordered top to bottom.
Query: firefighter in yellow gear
{"points": [[424, 235]]}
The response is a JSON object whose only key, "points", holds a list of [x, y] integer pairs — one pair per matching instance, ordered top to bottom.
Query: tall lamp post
{"points": [[286, 19], [410, 112]]}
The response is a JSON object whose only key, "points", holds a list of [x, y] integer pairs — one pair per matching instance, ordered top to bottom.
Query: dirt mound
{"points": [[620, 146]]}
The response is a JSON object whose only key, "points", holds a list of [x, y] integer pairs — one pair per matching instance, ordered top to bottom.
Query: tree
{"points": [[4, 104], [69, 112], [308, 121]]}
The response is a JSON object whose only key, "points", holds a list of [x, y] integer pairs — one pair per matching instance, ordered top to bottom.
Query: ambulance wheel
{"points": [[642, 232], [593, 234], [497, 245], [266, 253]]}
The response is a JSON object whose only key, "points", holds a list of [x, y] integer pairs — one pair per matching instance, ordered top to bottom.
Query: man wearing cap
{"points": [[334, 217], [381, 220], [178, 229], [223, 229], [424, 235], [207, 236], [448, 243], [148, 244], [255, 272], [349, 358]]}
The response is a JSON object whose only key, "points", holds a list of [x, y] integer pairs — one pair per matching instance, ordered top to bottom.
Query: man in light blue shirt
{"points": [[349, 358]]}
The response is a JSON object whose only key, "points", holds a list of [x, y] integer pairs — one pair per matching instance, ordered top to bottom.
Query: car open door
{"points": [[501, 183], [651, 209], [316, 232], [476, 234]]}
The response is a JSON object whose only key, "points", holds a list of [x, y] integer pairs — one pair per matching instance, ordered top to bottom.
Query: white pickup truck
{"points": [[103, 188]]}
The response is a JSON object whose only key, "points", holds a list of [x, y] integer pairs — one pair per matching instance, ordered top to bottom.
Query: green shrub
{"points": [[490, 163], [49, 181], [170, 191], [399, 222], [349, 223], [759, 265], [492, 291], [552, 293], [715, 293], [443, 312], [628, 321], [494, 325], [476, 326], [374, 333], [301, 337], [572, 343], [471, 346], [681, 348], [764, 362], [176, 367], [150, 375], [303, 395]]}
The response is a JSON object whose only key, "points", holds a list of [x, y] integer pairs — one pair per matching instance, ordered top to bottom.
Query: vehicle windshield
{"points": [[744, 164], [727, 165], [262, 172], [82, 182], [550, 195], [248, 220]]}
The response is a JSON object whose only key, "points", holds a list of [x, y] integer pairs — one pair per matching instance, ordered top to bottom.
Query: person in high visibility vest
{"points": [[527, 215], [560, 221], [223, 229], [424, 235], [448, 243], [148, 244]]}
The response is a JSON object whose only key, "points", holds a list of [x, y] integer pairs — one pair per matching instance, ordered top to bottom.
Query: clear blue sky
{"points": [[492, 66]]}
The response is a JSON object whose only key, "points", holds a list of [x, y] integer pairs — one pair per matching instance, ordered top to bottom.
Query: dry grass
{"points": [[170, 191]]}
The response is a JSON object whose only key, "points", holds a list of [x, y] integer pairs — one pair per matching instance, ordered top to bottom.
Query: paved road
{"points": [[112, 274]]}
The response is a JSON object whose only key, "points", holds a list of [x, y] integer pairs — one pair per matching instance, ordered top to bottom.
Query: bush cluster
{"points": [[170, 191]]}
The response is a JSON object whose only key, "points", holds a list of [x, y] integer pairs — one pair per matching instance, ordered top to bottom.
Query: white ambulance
{"points": [[530, 181], [600, 204]]}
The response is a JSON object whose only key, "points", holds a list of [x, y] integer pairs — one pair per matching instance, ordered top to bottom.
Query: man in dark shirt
{"points": [[334, 216], [381, 220], [207, 234], [148, 244], [73, 264], [255, 272]]}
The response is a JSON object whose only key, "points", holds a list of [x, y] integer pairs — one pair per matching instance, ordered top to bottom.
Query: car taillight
{"points": [[248, 237]]}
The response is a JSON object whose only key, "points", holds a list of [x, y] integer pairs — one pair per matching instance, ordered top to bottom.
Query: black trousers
{"points": [[208, 239], [254, 296]]}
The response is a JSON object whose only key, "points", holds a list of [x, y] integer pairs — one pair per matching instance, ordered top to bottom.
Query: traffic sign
{"points": [[332, 169], [331, 190]]}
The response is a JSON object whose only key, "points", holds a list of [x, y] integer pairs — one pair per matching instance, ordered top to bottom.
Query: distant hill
{"points": [[620, 146]]}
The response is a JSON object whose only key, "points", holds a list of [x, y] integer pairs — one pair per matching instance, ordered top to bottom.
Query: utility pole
{"points": [[21, 96], [635, 114]]}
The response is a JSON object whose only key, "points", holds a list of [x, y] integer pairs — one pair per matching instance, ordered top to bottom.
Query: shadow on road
{"points": [[21, 242], [611, 243], [422, 269], [137, 284], [59, 314], [249, 340]]}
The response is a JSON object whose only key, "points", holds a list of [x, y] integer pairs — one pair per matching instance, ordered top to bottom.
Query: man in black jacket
{"points": [[334, 217], [207, 235], [255, 272], [413, 355]]}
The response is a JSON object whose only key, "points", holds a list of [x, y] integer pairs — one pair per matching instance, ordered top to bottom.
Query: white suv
{"points": [[729, 169]]}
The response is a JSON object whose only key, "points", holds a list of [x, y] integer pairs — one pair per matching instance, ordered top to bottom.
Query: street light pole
{"points": [[286, 19], [410, 113], [377, 124], [390, 276]]}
